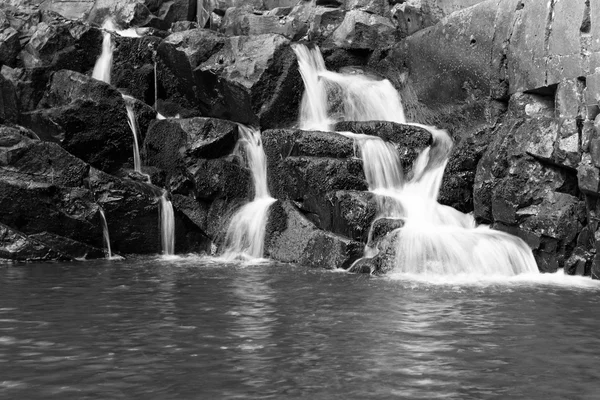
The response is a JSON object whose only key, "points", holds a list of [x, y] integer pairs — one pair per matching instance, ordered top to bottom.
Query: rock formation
{"points": [[514, 82]]}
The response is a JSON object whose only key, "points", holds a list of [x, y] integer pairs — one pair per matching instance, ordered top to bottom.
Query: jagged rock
{"points": [[379, 7], [70, 9], [122, 12], [243, 21], [324, 22], [362, 30], [71, 45], [10, 46], [178, 56], [133, 66], [249, 79], [29, 85], [9, 107], [88, 118], [295, 142], [174, 145], [459, 177], [220, 178], [41, 190], [539, 200], [344, 212], [132, 213], [381, 227], [290, 237], [19, 247], [69, 247]]}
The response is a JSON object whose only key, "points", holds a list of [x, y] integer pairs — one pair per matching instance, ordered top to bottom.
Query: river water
{"points": [[194, 328]]}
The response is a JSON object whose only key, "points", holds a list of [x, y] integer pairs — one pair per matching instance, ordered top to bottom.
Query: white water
{"points": [[103, 66], [132, 121], [167, 225], [246, 232], [105, 235], [436, 239]]}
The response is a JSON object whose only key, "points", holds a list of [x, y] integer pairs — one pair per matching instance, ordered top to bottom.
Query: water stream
{"points": [[132, 121], [167, 225], [246, 232], [105, 235], [435, 239]]}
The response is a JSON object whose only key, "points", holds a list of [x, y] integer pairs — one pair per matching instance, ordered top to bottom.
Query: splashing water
{"points": [[167, 225], [246, 232], [105, 235], [435, 239]]}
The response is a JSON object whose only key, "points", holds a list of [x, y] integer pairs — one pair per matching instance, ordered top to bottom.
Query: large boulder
{"points": [[178, 56], [249, 79], [89, 119], [49, 185], [290, 237], [16, 246]]}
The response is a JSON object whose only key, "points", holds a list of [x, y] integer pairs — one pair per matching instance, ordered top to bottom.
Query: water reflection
{"points": [[196, 328]]}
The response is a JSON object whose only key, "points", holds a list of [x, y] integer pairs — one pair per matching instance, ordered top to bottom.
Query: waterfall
{"points": [[103, 65], [132, 121], [167, 225], [246, 232], [105, 234], [435, 239]]}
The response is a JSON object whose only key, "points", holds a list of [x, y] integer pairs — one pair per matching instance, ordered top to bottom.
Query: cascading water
{"points": [[103, 66], [131, 119], [167, 225], [246, 232], [105, 235], [435, 239]]}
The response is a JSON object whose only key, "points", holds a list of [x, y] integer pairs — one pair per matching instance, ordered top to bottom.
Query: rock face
{"points": [[514, 82], [88, 118]]}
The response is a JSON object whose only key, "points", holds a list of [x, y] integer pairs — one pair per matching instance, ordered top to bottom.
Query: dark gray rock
{"points": [[88, 118], [292, 238], [16, 246]]}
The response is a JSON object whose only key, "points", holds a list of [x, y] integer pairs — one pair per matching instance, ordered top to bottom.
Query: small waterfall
{"points": [[103, 66], [131, 119], [167, 225], [246, 232], [105, 234], [435, 239]]}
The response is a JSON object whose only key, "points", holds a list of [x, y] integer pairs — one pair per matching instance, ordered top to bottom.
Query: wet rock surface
{"points": [[513, 82]]}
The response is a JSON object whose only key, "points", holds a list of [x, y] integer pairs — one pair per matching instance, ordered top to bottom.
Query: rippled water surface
{"points": [[194, 328]]}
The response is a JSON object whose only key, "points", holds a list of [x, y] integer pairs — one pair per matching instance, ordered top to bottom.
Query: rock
{"points": [[69, 9], [122, 12], [243, 21], [362, 30], [59, 45], [10, 46], [178, 56], [133, 66], [249, 79], [9, 106], [88, 118], [295, 142], [174, 145], [588, 177], [220, 178], [300, 178], [344, 212], [132, 214], [382, 227], [290, 237], [16, 246], [69, 247]]}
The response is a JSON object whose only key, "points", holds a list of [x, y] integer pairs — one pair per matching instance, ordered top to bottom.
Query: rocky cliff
{"points": [[513, 81]]}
